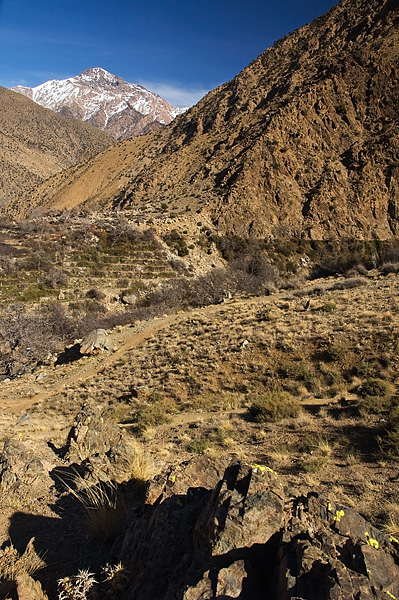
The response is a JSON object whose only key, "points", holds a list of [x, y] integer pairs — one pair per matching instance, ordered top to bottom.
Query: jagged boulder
{"points": [[94, 342], [91, 433], [19, 466], [200, 471], [249, 538], [29, 589]]}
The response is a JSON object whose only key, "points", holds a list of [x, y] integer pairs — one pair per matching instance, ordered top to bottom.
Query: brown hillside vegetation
{"points": [[302, 142], [35, 144], [306, 400]]}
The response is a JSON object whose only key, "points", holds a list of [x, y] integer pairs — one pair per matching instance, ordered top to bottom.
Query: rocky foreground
{"points": [[205, 528]]}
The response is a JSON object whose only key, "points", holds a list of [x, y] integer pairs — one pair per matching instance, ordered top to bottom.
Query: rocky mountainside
{"points": [[106, 101], [303, 142], [35, 143]]}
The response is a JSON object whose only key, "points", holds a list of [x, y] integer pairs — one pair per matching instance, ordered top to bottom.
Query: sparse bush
{"points": [[177, 241], [337, 257], [390, 267], [55, 277], [348, 284], [210, 288], [314, 290], [95, 294], [328, 307], [334, 353], [300, 370], [376, 388], [376, 395], [273, 406], [152, 415], [388, 441], [199, 446], [312, 464]]}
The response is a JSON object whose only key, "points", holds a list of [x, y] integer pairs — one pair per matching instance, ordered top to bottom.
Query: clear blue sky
{"points": [[178, 48]]}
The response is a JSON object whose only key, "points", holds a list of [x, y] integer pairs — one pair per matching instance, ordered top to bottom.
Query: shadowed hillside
{"points": [[35, 143]]}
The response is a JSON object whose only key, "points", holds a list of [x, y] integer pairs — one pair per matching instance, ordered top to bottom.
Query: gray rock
{"points": [[129, 299], [95, 341]]}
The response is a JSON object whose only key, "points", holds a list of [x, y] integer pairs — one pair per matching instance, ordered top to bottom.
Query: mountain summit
{"points": [[106, 101]]}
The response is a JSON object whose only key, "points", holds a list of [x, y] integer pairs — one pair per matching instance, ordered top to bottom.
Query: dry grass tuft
{"points": [[225, 433], [324, 447], [352, 459], [143, 465], [104, 504], [391, 513]]}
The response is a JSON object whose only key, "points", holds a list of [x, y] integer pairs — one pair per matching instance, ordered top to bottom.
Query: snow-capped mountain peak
{"points": [[104, 100]]}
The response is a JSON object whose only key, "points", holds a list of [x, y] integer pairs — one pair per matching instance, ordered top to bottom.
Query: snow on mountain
{"points": [[106, 101]]}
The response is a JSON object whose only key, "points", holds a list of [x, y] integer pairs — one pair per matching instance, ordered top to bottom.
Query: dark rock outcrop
{"points": [[249, 538]]}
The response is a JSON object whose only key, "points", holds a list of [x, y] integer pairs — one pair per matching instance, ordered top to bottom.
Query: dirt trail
{"points": [[18, 397]]}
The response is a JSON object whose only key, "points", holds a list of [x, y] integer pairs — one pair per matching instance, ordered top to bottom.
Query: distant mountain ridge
{"points": [[105, 101]]}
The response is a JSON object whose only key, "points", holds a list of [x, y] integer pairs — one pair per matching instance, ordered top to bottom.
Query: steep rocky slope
{"points": [[106, 101], [302, 142], [35, 143]]}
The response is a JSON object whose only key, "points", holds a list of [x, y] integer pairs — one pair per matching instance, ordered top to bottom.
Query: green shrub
{"points": [[177, 242], [95, 294], [328, 307], [334, 353], [300, 370], [376, 388], [376, 395], [273, 406], [156, 413], [389, 440], [199, 446], [312, 464]]}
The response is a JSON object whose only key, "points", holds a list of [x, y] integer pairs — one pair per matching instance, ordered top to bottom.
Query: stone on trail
{"points": [[95, 341]]}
